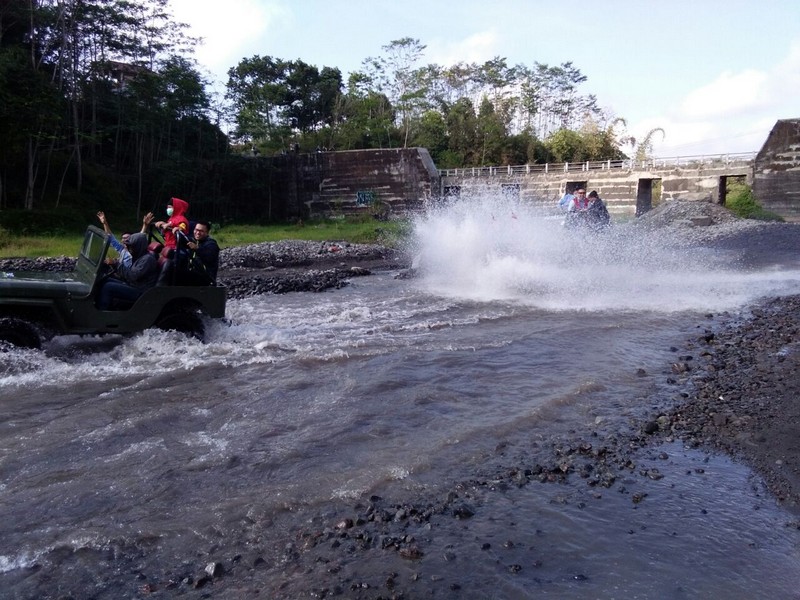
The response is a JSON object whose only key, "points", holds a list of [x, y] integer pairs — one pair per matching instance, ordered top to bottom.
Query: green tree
{"points": [[110, 82], [406, 86], [255, 89], [274, 99], [364, 120], [462, 132], [491, 133], [432, 134], [600, 142], [566, 145], [644, 147]]}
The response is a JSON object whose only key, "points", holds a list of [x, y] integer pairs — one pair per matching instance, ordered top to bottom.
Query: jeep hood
{"points": [[41, 285]]}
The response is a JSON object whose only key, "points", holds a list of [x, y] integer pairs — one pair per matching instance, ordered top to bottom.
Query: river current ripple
{"points": [[160, 448]]}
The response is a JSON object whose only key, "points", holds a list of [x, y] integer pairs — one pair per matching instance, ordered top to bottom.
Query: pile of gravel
{"points": [[686, 213], [703, 224], [298, 253], [57, 264], [268, 267]]}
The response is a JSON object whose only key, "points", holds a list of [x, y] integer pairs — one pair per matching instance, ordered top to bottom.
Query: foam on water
{"points": [[490, 248], [482, 258], [265, 329], [387, 384]]}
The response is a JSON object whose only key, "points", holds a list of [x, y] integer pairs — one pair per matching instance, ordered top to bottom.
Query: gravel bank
{"points": [[300, 266], [271, 267]]}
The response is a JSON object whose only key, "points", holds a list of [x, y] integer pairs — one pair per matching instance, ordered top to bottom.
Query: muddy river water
{"points": [[132, 462]]}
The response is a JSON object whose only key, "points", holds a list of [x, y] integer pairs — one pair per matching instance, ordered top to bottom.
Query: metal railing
{"points": [[697, 161]]}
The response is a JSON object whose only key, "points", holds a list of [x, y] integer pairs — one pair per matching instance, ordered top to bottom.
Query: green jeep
{"points": [[37, 306]]}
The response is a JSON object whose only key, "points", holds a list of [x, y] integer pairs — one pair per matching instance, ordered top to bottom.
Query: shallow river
{"points": [[395, 387]]}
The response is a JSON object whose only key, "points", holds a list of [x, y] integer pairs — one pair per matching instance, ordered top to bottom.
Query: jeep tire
{"points": [[185, 321], [20, 333]]}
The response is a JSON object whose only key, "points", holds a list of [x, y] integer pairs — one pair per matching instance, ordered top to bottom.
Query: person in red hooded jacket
{"points": [[177, 221]]}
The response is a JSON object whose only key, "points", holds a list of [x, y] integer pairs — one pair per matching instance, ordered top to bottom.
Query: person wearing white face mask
{"points": [[177, 221]]}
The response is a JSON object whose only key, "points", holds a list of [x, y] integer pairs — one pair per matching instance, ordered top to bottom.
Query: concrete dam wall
{"points": [[402, 180]]}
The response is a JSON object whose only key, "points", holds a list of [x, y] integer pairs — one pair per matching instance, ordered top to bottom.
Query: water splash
{"points": [[490, 247]]}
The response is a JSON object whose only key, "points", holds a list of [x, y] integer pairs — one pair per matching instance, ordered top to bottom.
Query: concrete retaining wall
{"points": [[405, 179], [358, 181], [776, 183]]}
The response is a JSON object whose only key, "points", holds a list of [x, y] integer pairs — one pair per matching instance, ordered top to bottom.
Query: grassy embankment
{"points": [[362, 231]]}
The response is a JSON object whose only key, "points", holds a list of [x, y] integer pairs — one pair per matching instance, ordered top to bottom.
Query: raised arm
{"points": [[102, 217], [148, 218]]}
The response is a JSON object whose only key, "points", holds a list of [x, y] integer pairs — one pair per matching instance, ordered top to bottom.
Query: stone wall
{"points": [[776, 179], [401, 180], [307, 185]]}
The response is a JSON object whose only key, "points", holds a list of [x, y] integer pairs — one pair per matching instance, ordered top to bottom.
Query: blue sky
{"points": [[714, 74]]}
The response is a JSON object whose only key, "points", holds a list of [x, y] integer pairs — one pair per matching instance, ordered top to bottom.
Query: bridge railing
{"points": [[696, 161]]}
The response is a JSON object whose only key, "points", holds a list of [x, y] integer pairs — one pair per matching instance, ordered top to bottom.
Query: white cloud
{"points": [[227, 31], [477, 48], [783, 87], [727, 95], [733, 113]]}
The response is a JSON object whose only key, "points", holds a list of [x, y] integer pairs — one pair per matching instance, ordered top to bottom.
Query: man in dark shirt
{"points": [[597, 213], [204, 262]]}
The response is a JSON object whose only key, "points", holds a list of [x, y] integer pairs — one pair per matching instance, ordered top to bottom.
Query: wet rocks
{"points": [[300, 253], [56, 264], [300, 266], [270, 267], [253, 284], [748, 410]]}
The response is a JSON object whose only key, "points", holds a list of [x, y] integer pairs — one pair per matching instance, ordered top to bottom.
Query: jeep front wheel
{"points": [[19, 333]]}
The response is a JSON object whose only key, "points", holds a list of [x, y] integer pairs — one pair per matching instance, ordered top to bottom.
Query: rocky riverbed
{"points": [[270, 267], [740, 383], [732, 388]]}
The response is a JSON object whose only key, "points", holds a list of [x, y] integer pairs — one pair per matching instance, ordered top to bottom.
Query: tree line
{"points": [[104, 99], [467, 114]]}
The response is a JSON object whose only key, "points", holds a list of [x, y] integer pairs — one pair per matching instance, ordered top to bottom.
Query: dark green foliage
{"points": [[273, 97], [93, 113], [96, 115], [566, 145], [741, 201], [60, 221]]}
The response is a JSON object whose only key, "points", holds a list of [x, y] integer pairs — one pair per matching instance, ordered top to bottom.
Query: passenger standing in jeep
{"points": [[176, 213]]}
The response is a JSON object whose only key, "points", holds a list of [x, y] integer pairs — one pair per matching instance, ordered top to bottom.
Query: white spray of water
{"points": [[491, 248], [499, 254], [269, 329]]}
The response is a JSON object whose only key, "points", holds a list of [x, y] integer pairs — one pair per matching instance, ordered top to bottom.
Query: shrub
{"points": [[741, 202], [46, 222]]}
